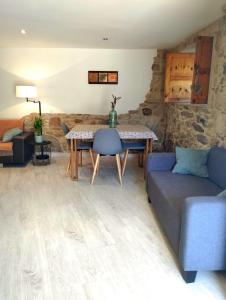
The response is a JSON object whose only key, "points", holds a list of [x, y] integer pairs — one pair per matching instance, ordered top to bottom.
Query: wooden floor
{"points": [[69, 240]]}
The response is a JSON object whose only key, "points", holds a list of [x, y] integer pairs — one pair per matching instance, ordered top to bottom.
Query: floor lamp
{"points": [[28, 92]]}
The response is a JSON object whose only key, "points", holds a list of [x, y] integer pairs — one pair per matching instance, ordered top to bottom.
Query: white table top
{"points": [[87, 131]]}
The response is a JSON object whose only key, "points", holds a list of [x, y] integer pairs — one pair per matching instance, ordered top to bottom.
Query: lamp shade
{"points": [[26, 91]]}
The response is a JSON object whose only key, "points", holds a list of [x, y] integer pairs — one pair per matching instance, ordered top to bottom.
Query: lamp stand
{"points": [[39, 105]]}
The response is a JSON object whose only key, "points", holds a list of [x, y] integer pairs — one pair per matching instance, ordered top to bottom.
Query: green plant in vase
{"points": [[113, 113], [38, 130]]}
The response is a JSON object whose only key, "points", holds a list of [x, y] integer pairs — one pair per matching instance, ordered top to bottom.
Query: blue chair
{"points": [[107, 142], [86, 146], [138, 147]]}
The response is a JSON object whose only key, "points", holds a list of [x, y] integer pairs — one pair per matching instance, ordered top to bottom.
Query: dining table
{"points": [[126, 132]]}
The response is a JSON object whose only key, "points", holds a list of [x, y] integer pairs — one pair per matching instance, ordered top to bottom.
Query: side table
{"points": [[42, 153]]}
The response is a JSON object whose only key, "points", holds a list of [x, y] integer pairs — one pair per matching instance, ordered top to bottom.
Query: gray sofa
{"points": [[192, 217]]}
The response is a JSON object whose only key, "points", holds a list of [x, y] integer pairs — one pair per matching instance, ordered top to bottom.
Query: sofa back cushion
{"points": [[6, 125], [191, 162], [217, 166]]}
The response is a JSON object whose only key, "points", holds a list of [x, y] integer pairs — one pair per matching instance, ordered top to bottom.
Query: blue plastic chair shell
{"points": [[107, 142]]}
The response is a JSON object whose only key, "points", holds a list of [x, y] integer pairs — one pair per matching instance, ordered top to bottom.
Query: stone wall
{"points": [[151, 113], [52, 126], [199, 126], [202, 126]]}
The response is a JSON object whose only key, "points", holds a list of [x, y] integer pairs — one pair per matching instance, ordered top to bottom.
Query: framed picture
{"points": [[93, 77], [103, 77]]}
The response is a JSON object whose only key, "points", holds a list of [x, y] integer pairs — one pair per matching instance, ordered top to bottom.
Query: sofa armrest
{"points": [[26, 135], [23, 147], [160, 161], [203, 234]]}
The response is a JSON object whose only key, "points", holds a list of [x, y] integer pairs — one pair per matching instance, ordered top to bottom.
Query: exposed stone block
{"points": [[224, 69], [147, 111], [187, 114], [203, 120], [55, 121], [202, 139]]}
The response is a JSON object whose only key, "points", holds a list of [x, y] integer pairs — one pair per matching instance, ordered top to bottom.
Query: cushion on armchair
{"points": [[10, 134]]}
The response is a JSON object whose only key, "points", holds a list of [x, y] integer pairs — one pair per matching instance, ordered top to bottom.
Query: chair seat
{"points": [[84, 145], [133, 145]]}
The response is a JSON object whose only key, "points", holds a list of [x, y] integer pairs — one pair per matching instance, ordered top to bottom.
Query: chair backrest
{"points": [[65, 130], [107, 142]]}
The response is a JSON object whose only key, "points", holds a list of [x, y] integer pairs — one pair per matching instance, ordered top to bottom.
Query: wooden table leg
{"points": [[150, 146], [148, 149], [74, 160]]}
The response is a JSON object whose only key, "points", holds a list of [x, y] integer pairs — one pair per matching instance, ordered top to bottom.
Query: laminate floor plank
{"points": [[62, 239]]}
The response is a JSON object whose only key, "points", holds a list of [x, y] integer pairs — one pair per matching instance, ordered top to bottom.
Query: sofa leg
{"points": [[189, 276]]}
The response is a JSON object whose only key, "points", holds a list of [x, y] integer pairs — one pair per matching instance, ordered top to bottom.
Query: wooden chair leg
{"points": [[78, 154], [91, 156], [80, 157], [121, 160], [140, 160], [125, 161], [68, 165], [98, 167], [95, 168], [119, 168]]}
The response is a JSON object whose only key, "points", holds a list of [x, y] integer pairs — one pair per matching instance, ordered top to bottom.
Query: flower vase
{"points": [[112, 118]]}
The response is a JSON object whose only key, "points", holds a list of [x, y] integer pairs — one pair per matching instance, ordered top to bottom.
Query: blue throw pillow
{"points": [[191, 162], [222, 194]]}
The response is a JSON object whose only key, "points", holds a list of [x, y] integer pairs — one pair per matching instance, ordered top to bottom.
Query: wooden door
{"points": [[202, 66]]}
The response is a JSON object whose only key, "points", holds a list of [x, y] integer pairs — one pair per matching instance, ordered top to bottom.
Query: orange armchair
{"points": [[20, 149]]}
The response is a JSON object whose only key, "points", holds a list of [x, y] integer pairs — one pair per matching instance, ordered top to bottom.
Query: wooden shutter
{"points": [[179, 74], [201, 77]]}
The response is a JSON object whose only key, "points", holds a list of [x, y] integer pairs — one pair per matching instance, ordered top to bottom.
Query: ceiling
{"points": [[135, 24]]}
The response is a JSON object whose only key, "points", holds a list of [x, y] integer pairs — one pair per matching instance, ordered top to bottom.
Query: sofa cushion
{"points": [[9, 124], [10, 134], [6, 147], [191, 161], [217, 166], [176, 187], [167, 192], [222, 194]]}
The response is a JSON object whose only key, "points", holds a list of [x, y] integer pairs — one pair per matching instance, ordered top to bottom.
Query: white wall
{"points": [[61, 76]]}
